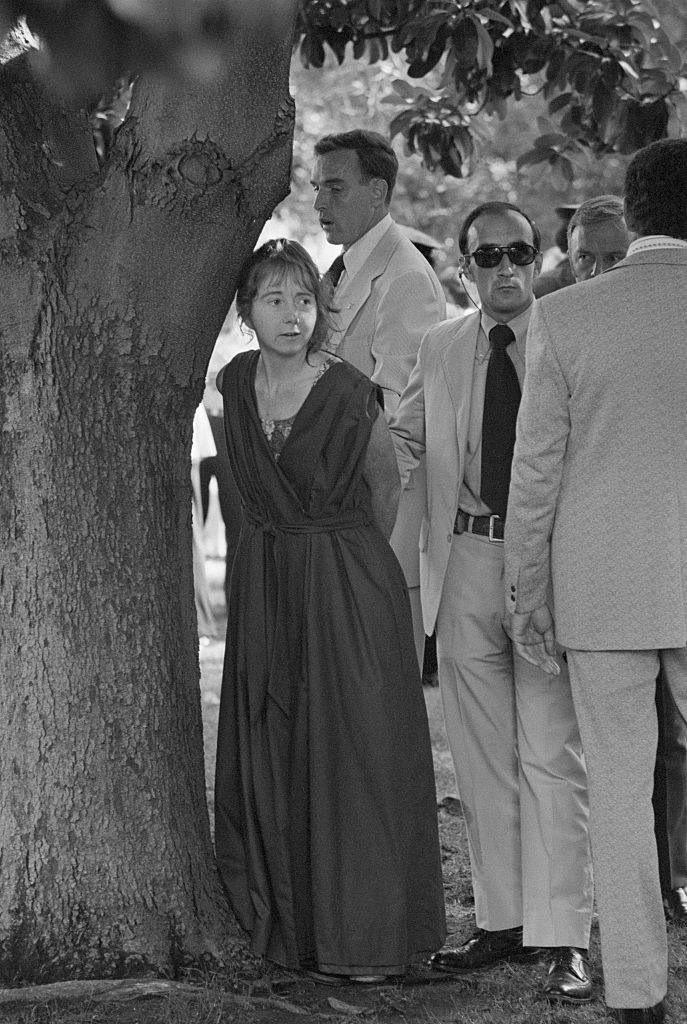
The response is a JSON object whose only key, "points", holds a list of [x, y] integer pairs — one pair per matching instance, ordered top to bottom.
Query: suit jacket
{"points": [[382, 313], [433, 418], [598, 496]]}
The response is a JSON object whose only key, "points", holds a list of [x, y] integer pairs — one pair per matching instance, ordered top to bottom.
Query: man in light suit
{"points": [[598, 239], [385, 293], [598, 505], [513, 735]]}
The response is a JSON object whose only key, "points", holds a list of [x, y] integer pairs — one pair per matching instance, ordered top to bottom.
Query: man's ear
{"points": [[380, 190], [629, 220], [538, 260], [465, 268]]}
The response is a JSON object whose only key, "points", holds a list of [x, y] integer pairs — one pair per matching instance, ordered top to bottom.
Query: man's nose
{"points": [[319, 202], [505, 266]]}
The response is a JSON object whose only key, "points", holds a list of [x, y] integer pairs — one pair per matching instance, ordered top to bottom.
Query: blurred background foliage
{"points": [[370, 91]]}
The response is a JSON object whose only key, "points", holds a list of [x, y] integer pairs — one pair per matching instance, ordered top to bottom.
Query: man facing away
{"points": [[598, 239], [386, 296], [598, 506], [512, 730]]}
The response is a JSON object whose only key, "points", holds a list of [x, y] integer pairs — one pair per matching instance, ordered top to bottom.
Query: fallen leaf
{"points": [[352, 1011]]}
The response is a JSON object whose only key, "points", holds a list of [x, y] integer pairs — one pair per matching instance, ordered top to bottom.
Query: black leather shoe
{"points": [[677, 902], [483, 949], [568, 980], [645, 1015]]}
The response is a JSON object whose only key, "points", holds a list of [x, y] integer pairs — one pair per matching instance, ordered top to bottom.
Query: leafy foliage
{"points": [[608, 70]]}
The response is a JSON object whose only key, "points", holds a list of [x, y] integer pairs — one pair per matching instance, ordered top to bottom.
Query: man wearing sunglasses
{"points": [[512, 732]]}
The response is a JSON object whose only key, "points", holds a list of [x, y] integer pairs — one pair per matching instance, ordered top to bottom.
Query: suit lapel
{"points": [[354, 291], [457, 355]]}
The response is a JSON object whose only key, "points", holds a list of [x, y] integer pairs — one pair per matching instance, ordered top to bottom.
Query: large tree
{"points": [[118, 266], [116, 279]]}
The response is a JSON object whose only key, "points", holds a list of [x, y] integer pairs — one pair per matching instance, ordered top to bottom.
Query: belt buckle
{"points": [[492, 538]]}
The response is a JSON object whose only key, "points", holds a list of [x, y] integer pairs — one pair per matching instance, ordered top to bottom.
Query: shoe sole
{"points": [[512, 958], [553, 997]]}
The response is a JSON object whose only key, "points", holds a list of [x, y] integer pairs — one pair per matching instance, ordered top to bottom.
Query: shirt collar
{"points": [[648, 242], [356, 254], [518, 326]]}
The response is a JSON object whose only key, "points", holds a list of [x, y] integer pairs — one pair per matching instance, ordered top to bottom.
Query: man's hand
{"points": [[533, 639]]}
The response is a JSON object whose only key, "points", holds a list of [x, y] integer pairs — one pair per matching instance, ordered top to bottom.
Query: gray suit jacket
{"points": [[383, 312], [433, 418], [598, 498]]}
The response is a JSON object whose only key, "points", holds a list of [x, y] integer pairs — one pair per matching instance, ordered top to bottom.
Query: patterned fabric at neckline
{"points": [[277, 431]]}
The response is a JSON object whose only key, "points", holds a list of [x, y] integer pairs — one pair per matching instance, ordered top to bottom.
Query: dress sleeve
{"points": [[380, 470]]}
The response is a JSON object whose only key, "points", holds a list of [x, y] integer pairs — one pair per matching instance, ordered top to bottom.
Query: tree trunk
{"points": [[115, 285]]}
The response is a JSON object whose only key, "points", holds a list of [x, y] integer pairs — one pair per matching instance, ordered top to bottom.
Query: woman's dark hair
{"points": [[656, 189], [495, 207], [279, 258]]}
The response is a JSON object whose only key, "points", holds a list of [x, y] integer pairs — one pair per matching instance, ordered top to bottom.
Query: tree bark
{"points": [[115, 282]]}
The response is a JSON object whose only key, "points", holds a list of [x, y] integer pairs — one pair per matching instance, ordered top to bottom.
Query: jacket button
{"points": [[449, 538]]}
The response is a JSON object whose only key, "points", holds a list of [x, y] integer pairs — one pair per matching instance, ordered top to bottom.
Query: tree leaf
{"points": [[491, 15], [485, 48], [560, 101], [532, 156]]}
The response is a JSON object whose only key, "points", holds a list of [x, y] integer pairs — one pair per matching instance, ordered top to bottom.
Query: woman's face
{"points": [[283, 314]]}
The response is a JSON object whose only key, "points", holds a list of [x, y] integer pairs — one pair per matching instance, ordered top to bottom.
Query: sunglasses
{"points": [[489, 256]]}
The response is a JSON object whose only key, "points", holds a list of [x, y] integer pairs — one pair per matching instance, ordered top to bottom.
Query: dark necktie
{"points": [[334, 272], [501, 401]]}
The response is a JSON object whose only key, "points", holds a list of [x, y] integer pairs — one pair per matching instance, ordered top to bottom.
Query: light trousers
{"points": [[614, 693], [516, 749]]}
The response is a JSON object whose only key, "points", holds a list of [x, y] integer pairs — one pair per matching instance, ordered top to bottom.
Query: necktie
{"points": [[334, 272], [501, 401]]}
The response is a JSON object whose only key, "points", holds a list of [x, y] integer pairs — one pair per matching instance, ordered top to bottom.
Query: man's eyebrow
{"points": [[328, 181]]}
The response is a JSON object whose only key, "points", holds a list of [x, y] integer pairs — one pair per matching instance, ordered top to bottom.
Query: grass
{"points": [[508, 993]]}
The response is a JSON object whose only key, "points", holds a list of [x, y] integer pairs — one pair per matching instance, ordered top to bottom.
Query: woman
{"points": [[325, 827]]}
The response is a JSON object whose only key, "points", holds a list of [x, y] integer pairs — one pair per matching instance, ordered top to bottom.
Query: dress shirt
{"points": [[354, 257], [468, 495]]}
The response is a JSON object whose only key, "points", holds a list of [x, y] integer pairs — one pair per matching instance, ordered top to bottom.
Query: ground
{"points": [[258, 994]]}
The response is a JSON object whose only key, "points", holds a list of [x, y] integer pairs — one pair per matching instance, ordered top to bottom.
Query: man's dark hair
{"points": [[375, 154], [656, 189], [496, 208], [595, 211], [561, 237]]}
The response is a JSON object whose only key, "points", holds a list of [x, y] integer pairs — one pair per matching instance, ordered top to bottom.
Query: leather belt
{"points": [[484, 526]]}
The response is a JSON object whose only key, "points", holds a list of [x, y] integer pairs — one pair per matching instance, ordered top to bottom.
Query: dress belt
{"points": [[328, 525], [485, 526]]}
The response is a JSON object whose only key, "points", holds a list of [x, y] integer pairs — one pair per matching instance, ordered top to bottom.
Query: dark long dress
{"points": [[326, 827]]}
